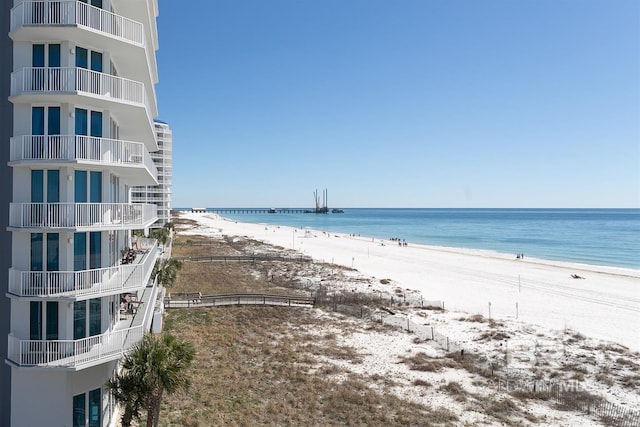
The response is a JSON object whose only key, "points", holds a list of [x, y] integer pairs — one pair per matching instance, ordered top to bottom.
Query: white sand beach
{"points": [[604, 303], [583, 331]]}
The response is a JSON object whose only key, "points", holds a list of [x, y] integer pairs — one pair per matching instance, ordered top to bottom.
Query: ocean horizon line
{"points": [[404, 208]]}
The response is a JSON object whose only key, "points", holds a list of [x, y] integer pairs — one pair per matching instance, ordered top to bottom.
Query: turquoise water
{"points": [[608, 237]]}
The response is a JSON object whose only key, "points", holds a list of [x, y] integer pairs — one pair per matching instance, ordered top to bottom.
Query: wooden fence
{"points": [[567, 394], [571, 396]]}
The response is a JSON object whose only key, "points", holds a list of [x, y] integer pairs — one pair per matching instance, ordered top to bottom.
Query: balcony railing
{"points": [[49, 13], [76, 79], [78, 147], [81, 215], [88, 283], [72, 353], [78, 354]]}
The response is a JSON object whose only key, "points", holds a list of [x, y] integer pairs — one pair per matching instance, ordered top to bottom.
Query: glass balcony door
{"points": [[45, 58], [89, 60], [89, 123], [45, 126], [39, 311], [87, 317]]}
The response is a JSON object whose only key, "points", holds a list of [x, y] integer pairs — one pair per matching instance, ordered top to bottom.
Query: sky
{"points": [[402, 103]]}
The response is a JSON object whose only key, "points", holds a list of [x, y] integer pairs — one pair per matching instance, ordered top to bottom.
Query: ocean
{"points": [[609, 237]]}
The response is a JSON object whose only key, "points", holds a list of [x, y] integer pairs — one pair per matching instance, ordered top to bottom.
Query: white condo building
{"points": [[76, 130], [159, 195]]}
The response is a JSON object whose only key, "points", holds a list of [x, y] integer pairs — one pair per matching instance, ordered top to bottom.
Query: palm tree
{"points": [[161, 234], [167, 271], [167, 362], [155, 365], [129, 388]]}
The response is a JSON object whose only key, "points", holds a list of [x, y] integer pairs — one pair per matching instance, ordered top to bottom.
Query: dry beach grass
{"points": [[322, 367]]}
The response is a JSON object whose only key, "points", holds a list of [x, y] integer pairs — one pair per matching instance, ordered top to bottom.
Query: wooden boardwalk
{"points": [[251, 258], [195, 299]]}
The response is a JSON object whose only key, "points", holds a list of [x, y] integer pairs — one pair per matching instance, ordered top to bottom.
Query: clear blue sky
{"points": [[402, 103]]}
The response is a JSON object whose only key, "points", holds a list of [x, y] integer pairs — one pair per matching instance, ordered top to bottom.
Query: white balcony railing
{"points": [[59, 13], [76, 79], [78, 147], [81, 215], [87, 283], [73, 353], [78, 354]]}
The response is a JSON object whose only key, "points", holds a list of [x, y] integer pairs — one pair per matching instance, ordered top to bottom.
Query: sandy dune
{"points": [[603, 304]]}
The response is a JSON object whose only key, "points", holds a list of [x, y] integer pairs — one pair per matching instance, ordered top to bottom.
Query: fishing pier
{"points": [[320, 208], [249, 210]]}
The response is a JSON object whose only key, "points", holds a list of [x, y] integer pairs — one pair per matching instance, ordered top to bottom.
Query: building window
{"points": [[54, 55], [42, 56], [39, 57], [89, 60], [81, 119], [37, 120], [53, 120], [49, 121], [83, 124], [96, 124], [95, 180], [37, 186], [53, 186], [80, 186], [88, 187], [53, 249], [95, 249], [36, 251], [79, 251], [95, 316], [36, 317], [35, 320], [52, 320], [79, 320], [87, 404], [94, 407], [79, 410]]}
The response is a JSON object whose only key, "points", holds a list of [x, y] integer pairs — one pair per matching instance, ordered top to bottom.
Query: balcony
{"points": [[76, 13], [91, 26], [132, 110], [130, 160], [80, 216], [88, 283], [86, 352]]}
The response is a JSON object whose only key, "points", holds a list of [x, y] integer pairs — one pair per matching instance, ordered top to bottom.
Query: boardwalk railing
{"points": [[252, 258], [194, 299]]}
